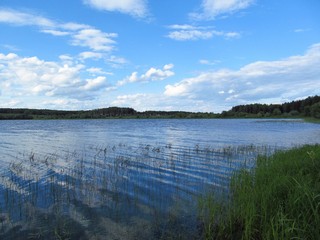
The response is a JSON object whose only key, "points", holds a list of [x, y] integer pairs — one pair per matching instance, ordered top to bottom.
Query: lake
{"points": [[126, 179]]}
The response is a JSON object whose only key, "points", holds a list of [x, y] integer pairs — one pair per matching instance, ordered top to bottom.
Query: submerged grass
{"points": [[113, 192], [278, 199]]}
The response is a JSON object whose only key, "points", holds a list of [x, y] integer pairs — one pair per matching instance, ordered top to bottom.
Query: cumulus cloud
{"points": [[136, 8], [210, 9], [188, 32], [96, 43], [153, 74], [31, 76], [263, 81], [95, 83]]}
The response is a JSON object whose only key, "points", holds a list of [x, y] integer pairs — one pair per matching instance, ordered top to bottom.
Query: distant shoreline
{"points": [[307, 109]]}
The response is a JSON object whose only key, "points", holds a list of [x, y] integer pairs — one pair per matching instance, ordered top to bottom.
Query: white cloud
{"points": [[136, 8], [214, 8], [24, 19], [74, 26], [182, 27], [301, 30], [56, 32], [189, 32], [80, 34], [230, 34], [183, 35], [94, 39], [10, 47], [92, 55], [9, 56], [66, 58], [115, 61], [207, 62], [168, 66], [99, 71], [153, 74], [30, 76], [281, 80], [95, 84], [59, 85], [132, 100], [144, 102], [9, 103], [65, 103]]}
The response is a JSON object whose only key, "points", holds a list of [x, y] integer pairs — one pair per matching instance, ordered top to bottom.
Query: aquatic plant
{"points": [[116, 190], [278, 199]]}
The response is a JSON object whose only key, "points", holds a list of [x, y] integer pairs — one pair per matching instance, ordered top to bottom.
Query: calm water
{"points": [[125, 179]]}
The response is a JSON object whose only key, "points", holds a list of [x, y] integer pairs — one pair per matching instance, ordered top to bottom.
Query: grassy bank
{"points": [[312, 120], [279, 199]]}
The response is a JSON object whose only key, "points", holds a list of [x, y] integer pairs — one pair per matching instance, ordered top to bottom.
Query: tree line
{"points": [[309, 107], [110, 112]]}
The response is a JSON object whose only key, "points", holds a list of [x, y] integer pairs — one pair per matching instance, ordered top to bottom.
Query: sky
{"points": [[171, 55]]}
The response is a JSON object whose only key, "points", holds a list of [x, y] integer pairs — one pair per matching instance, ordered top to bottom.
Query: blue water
{"points": [[123, 179]]}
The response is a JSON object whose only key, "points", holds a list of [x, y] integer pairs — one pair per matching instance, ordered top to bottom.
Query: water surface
{"points": [[125, 179]]}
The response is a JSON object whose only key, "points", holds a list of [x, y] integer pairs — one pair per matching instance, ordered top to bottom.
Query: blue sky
{"points": [[188, 55]]}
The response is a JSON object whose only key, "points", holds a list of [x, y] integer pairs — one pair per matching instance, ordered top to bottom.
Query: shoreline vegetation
{"points": [[308, 109], [278, 199]]}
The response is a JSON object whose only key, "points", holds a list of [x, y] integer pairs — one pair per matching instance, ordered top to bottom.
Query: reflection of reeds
{"points": [[83, 190]]}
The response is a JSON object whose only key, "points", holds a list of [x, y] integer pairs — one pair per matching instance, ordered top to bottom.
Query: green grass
{"points": [[312, 120], [279, 199]]}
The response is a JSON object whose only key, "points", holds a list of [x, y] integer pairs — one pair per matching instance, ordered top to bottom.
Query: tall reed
{"points": [[278, 199]]}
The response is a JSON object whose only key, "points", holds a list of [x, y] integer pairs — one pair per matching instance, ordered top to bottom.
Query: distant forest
{"points": [[309, 107]]}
